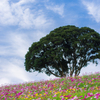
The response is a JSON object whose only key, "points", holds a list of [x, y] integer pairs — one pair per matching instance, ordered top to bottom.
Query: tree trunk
{"points": [[71, 73]]}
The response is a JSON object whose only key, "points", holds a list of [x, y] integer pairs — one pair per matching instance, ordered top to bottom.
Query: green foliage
{"points": [[64, 49]]}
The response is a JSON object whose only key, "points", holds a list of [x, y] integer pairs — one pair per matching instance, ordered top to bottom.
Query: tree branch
{"points": [[52, 73]]}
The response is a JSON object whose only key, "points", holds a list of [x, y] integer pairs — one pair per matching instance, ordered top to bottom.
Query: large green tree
{"points": [[64, 51]]}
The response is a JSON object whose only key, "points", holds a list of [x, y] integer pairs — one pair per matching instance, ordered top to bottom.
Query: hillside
{"points": [[85, 87]]}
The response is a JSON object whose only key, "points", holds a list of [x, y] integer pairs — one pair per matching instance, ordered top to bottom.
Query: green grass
{"points": [[86, 87]]}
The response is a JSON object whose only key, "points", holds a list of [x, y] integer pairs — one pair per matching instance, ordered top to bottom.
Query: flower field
{"points": [[86, 87]]}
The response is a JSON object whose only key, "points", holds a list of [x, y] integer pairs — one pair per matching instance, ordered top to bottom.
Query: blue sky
{"points": [[23, 22]]}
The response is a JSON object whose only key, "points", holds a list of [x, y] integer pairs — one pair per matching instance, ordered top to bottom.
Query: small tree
{"points": [[64, 51]]}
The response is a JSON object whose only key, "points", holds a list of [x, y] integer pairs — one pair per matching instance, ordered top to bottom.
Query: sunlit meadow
{"points": [[86, 87]]}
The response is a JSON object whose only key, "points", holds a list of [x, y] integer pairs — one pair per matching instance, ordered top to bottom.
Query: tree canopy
{"points": [[64, 51]]}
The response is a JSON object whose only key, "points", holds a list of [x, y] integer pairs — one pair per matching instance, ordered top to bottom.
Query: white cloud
{"points": [[25, 1], [56, 8], [93, 8], [5, 13], [20, 14], [19, 44], [15, 45], [91, 68], [12, 71], [16, 71], [4, 81]]}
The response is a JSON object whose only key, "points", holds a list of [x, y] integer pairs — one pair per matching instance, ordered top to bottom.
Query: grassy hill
{"points": [[86, 87]]}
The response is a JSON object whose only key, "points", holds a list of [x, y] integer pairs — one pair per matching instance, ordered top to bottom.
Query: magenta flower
{"points": [[90, 94], [17, 95], [54, 95], [68, 96], [85, 96], [97, 96], [5, 98], [74, 98], [62, 99]]}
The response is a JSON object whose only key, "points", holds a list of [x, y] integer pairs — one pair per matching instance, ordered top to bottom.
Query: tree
{"points": [[64, 51]]}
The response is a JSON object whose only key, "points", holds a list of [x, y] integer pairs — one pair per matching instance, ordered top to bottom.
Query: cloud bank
{"points": [[93, 7], [59, 9], [22, 15]]}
